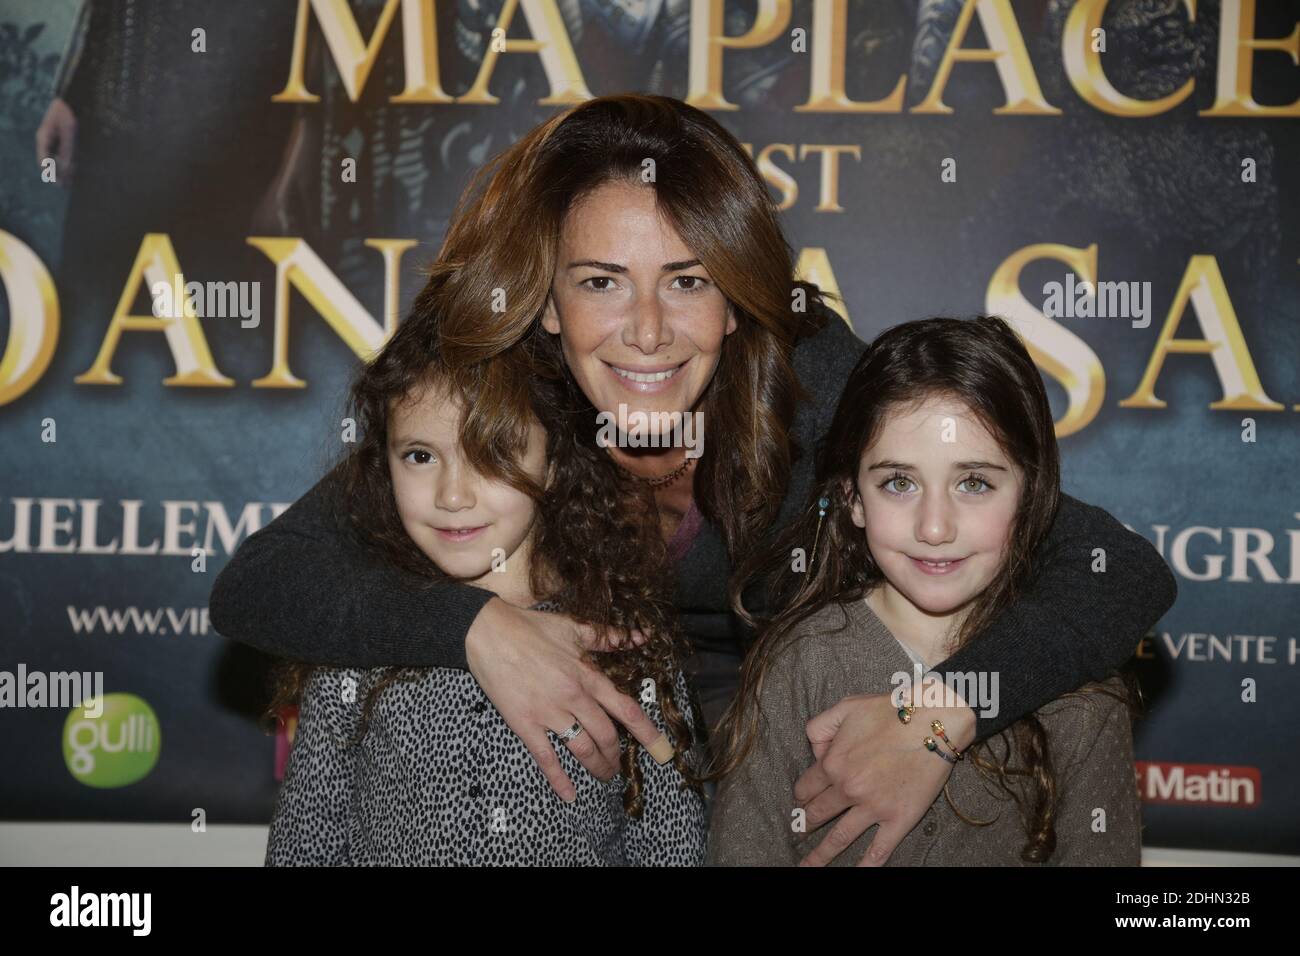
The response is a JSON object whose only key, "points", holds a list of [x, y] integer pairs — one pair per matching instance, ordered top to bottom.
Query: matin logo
{"points": [[1212, 785]]}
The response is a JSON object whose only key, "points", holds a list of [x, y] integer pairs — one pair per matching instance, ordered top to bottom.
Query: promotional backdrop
{"points": [[1119, 180]]}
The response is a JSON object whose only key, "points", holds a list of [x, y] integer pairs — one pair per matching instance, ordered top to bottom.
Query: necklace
{"points": [[655, 482]]}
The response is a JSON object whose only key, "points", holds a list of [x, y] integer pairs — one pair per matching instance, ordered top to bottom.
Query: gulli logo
{"points": [[115, 749]]}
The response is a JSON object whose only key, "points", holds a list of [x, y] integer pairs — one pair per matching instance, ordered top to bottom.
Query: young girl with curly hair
{"points": [[471, 473]]}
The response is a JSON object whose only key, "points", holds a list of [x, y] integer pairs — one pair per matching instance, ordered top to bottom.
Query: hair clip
{"points": [[822, 504]]}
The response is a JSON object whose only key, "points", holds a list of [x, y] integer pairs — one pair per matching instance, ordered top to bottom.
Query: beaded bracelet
{"points": [[905, 713], [937, 727], [933, 746]]}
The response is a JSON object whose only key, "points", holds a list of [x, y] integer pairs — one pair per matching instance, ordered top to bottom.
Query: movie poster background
{"points": [[194, 148]]}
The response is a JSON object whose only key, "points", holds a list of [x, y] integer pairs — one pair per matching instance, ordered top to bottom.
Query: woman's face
{"points": [[640, 320], [934, 487], [470, 526]]}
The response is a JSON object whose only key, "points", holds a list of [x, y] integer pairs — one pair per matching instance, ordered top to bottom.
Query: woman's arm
{"points": [[306, 588], [1073, 624]]}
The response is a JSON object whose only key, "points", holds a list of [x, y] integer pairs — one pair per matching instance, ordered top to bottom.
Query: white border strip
{"points": [[174, 844]]}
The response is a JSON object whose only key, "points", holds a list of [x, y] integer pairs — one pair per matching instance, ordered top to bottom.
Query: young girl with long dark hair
{"points": [[938, 479], [415, 765]]}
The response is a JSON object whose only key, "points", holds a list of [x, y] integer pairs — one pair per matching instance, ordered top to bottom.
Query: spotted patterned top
{"points": [[439, 779]]}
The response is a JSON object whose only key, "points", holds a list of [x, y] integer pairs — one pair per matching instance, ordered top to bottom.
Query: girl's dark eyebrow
{"points": [[615, 267], [398, 440], [957, 465]]}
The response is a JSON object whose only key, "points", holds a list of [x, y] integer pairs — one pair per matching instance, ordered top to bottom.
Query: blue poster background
{"points": [[193, 146]]}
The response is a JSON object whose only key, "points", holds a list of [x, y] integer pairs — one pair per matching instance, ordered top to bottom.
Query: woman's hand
{"points": [[57, 135], [530, 665], [876, 768]]}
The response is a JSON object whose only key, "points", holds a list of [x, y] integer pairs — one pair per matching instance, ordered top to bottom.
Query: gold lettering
{"points": [[708, 41], [550, 43], [1237, 46], [1006, 51], [353, 57], [1083, 66], [826, 95], [830, 173], [774, 175], [156, 263], [297, 265], [1204, 288], [33, 318], [1055, 349]]}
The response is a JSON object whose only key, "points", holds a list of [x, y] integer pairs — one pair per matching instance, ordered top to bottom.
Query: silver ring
{"points": [[572, 732]]}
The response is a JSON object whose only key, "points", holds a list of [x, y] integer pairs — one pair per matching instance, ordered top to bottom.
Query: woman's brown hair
{"points": [[501, 249], [981, 364], [599, 559]]}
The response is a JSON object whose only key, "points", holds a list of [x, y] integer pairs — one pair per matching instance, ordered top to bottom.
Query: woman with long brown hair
{"points": [[632, 240], [937, 483]]}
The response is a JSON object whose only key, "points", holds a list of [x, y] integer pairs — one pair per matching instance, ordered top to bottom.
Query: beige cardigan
{"points": [[845, 650]]}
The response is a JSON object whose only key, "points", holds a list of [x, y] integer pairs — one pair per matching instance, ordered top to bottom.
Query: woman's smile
{"points": [[646, 379]]}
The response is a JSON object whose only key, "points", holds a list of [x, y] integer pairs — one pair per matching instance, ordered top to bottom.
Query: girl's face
{"points": [[640, 320], [936, 487], [472, 527]]}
